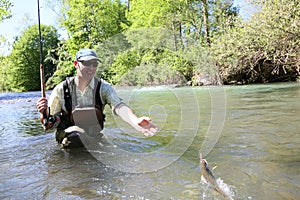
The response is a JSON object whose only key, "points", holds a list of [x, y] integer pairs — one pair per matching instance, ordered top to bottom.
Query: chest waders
{"points": [[79, 119]]}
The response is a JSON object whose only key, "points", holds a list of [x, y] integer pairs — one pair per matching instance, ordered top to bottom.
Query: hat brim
{"points": [[85, 58]]}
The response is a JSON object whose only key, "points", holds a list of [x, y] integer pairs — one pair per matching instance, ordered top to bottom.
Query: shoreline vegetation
{"points": [[176, 42], [174, 85]]}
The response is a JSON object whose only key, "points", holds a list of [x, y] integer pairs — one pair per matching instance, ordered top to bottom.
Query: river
{"points": [[250, 133]]}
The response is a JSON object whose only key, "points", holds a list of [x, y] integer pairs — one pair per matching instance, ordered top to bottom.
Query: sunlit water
{"points": [[251, 133]]}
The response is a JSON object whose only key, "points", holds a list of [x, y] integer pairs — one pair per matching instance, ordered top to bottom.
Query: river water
{"points": [[250, 133]]}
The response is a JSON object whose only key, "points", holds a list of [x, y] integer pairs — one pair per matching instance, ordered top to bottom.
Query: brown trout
{"points": [[209, 177]]}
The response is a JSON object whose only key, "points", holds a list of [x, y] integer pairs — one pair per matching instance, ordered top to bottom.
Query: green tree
{"points": [[5, 9], [148, 13], [159, 14], [196, 19], [89, 22], [187, 23], [150, 48], [264, 49], [108, 51], [63, 60], [123, 63], [24, 72], [4, 78]]}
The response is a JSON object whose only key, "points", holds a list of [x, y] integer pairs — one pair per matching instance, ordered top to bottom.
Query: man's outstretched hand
{"points": [[147, 127]]}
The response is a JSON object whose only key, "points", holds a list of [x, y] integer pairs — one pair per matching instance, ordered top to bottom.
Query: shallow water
{"points": [[251, 133]]}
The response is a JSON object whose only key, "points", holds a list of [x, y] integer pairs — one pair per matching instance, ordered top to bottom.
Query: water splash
{"points": [[223, 186], [227, 190]]}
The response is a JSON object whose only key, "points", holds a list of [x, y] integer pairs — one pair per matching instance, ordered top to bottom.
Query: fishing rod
{"points": [[42, 75]]}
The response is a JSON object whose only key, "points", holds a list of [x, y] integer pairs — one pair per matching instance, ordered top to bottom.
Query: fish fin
{"points": [[214, 168]]}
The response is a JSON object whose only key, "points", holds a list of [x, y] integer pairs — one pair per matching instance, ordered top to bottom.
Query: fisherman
{"points": [[76, 105]]}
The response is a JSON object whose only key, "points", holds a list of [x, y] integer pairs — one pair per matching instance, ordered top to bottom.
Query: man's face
{"points": [[86, 69]]}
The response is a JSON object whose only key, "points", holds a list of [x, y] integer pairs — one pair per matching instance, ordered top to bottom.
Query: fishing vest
{"points": [[67, 116]]}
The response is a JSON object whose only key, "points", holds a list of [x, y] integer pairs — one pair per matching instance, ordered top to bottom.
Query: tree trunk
{"points": [[205, 21]]}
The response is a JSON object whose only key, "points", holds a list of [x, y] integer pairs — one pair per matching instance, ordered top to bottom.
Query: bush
{"points": [[265, 49], [152, 74]]}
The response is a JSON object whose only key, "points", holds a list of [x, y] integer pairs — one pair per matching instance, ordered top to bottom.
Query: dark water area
{"points": [[251, 133]]}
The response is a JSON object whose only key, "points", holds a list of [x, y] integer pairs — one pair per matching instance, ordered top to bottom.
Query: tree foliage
{"points": [[5, 9], [149, 13], [89, 22], [142, 41], [149, 47], [264, 49], [108, 51], [63, 60], [5, 64], [24, 71]]}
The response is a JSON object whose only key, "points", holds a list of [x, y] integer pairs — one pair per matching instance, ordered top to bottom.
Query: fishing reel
{"points": [[52, 122]]}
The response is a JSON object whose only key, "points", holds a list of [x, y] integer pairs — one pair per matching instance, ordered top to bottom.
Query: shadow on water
{"points": [[257, 154]]}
